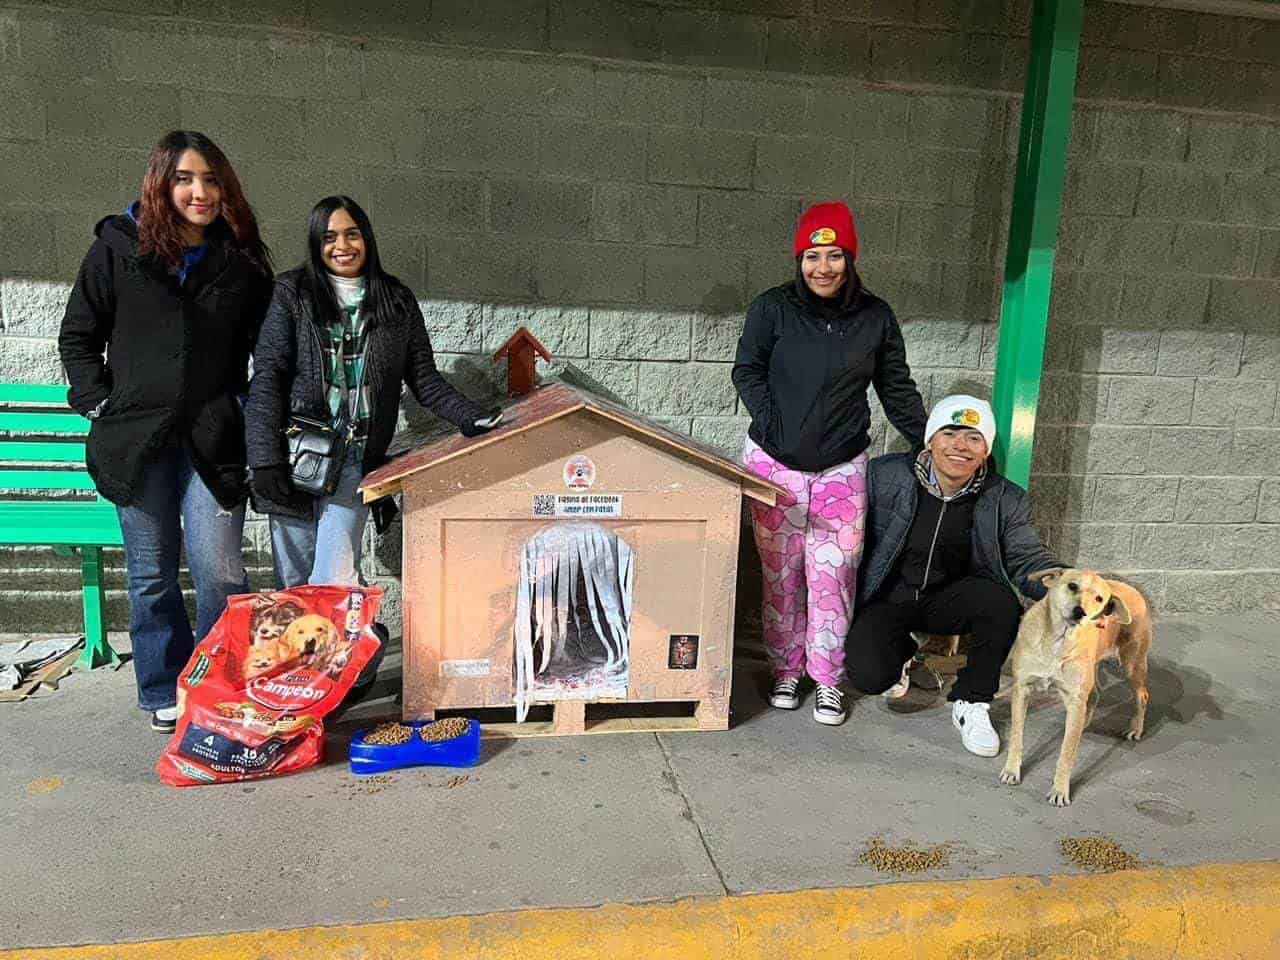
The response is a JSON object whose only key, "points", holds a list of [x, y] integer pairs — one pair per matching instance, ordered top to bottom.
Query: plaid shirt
{"points": [[344, 356]]}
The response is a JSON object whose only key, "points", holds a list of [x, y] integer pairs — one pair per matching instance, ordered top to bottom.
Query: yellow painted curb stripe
{"points": [[1214, 912]]}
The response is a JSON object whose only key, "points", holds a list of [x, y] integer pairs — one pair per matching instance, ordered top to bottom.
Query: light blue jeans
{"points": [[174, 507], [326, 548]]}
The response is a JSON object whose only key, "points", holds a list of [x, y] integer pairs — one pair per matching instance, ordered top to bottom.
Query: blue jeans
{"points": [[175, 507], [326, 548]]}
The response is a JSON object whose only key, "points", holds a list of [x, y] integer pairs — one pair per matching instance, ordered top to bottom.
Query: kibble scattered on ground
{"points": [[445, 729], [389, 734], [369, 785], [1097, 854], [908, 859]]}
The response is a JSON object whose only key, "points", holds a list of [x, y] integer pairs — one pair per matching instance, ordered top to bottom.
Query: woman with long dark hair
{"points": [[341, 337], [156, 342], [808, 353]]}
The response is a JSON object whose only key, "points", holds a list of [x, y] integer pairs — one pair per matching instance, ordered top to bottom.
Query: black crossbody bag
{"points": [[317, 449]]}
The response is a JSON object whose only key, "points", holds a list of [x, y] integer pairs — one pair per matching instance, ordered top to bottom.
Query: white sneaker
{"points": [[899, 689], [786, 693], [828, 706], [165, 720], [974, 724]]}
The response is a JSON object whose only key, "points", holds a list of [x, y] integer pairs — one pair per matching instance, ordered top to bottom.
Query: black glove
{"points": [[483, 423], [272, 483]]}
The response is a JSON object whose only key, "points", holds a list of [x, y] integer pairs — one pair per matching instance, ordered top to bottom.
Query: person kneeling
{"points": [[949, 542]]}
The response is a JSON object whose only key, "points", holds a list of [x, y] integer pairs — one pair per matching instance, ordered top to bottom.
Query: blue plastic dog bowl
{"points": [[460, 751]]}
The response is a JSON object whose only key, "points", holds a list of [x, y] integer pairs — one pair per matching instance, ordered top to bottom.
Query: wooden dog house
{"points": [[576, 554]]}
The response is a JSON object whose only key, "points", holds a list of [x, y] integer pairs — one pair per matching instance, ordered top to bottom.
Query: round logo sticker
{"points": [[822, 236], [579, 473]]}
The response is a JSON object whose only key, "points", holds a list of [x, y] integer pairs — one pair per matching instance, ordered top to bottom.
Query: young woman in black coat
{"points": [[340, 338], [156, 342], [809, 351]]}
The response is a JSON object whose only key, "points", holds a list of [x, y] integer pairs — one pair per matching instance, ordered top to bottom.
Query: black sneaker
{"points": [[786, 693], [828, 705], [165, 721]]}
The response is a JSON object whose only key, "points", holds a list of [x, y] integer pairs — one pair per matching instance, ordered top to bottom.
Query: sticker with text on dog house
{"points": [[579, 473], [577, 505], [682, 654], [464, 668]]}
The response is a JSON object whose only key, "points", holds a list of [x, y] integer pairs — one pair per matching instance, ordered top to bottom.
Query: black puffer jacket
{"points": [[177, 356], [288, 378], [804, 379], [1004, 546]]}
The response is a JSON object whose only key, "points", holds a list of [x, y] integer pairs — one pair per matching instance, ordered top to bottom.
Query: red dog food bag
{"points": [[252, 698]]}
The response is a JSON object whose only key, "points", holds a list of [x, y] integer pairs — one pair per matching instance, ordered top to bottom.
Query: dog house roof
{"points": [[548, 403]]}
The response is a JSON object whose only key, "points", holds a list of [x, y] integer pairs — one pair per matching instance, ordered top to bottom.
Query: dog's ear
{"points": [[1048, 577], [1115, 608]]}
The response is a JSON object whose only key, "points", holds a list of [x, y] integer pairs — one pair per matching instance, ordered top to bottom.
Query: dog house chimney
{"points": [[521, 351]]}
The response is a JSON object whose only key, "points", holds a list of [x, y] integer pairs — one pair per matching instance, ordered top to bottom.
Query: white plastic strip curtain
{"points": [[553, 563]]}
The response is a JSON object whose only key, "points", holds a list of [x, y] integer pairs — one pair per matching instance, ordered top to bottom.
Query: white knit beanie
{"points": [[962, 410]]}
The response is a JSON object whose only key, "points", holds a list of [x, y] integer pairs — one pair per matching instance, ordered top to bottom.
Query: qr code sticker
{"points": [[544, 505]]}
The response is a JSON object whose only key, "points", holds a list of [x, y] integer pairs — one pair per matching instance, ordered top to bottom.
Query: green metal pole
{"points": [[1033, 230]]}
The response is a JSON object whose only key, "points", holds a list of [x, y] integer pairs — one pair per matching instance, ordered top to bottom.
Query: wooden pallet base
{"points": [[576, 718], [507, 731]]}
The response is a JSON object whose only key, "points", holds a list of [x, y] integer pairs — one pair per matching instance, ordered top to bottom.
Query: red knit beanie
{"points": [[826, 225]]}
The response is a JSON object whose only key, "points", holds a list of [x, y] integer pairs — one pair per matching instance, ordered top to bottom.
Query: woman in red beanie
{"points": [[808, 352]]}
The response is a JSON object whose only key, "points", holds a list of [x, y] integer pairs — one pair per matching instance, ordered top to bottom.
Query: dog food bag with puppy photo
{"points": [[252, 699]]}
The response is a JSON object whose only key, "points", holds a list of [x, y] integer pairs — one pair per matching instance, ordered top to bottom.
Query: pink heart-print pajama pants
{"points": [[810, 545]]}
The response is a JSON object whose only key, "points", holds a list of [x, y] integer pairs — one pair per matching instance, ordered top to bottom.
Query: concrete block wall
{"points": [[622, 176]]}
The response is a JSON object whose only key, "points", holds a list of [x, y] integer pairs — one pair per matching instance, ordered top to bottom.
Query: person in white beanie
{"points": [[949, 545]]}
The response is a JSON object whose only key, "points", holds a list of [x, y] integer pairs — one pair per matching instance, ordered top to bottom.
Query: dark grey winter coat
{"points": [[288, 379], [1005, 545]]}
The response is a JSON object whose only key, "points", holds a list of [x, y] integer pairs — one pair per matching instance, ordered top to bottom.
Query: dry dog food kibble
{"points": [[445, 729], [389, 734], [1097, 854], [908, 859]]}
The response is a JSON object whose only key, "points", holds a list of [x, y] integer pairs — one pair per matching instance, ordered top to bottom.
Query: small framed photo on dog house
{"points": [[576, 554]]}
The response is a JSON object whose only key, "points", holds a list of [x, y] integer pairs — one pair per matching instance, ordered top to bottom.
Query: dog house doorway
{"points": [[573, 616]]}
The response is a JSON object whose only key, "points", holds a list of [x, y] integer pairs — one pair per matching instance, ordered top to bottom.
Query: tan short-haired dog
{"points": [[1082, 620]]}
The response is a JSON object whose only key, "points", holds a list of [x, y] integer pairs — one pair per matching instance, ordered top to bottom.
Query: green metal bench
{"points": [[41, 451]]}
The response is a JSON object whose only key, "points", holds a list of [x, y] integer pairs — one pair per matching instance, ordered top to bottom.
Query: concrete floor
{"points": [[96, 849]]}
